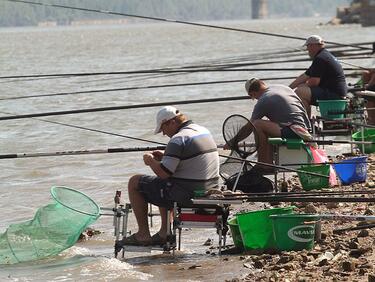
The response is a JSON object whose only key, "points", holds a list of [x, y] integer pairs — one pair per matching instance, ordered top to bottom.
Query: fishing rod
{"points": [[178, 22], [353, 65], [212, 68], [137, 88], [115, 108], [350, 122], [332, 142], [127, 150], [80, 152], [329, 163], [273, 166], [310, 193], [308, 199], [344, 217], [354, 228]]}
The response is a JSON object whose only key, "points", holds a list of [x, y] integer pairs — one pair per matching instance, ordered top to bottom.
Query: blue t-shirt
{"points": [[328, 69]]}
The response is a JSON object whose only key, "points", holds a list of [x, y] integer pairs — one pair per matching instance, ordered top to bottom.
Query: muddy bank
{"points": [[336, 256]]}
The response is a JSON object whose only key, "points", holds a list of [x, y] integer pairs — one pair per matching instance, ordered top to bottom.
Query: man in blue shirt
{"points": [[323, 80]]}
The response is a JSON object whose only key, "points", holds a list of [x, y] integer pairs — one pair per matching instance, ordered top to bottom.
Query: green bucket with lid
{"points": [[294, 232]]}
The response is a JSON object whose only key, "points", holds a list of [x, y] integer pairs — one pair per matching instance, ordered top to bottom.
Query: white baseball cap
{"points": [[313, 39], [166, 113]]}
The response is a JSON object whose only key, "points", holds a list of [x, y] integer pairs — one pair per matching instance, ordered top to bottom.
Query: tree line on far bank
{"points": [[20, 14]]}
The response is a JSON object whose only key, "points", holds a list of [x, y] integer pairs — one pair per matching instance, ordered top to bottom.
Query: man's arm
{"points": [[299, 80], [313, 81], [241, 135], [155, 165]]}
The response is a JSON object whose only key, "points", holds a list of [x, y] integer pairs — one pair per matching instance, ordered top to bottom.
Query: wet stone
{"points": [[310, 208], [369, 212], [363, 233], [323, 236], [353, 245], [358, 252], [284, 259], [323, 262], [258, 264], [348, 266], [362, 271], [371, 278]]}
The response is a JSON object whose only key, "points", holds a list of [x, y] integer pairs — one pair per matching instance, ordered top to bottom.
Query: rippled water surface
{"points": [[25, 183]]}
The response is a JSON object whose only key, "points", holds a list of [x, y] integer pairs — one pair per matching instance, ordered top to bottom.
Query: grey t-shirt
{"points": [[280, 104], [191, 158]]}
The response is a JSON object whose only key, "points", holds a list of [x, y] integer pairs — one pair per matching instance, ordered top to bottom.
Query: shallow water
{"points": [[25, 183]]}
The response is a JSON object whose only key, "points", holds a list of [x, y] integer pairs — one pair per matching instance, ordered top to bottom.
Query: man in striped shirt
{"points": [[189, 164]]}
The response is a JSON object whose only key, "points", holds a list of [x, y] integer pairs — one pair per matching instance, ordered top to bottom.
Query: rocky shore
{"points": [[336, 256]]}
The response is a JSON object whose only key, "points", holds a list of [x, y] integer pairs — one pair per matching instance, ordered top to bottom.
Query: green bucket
{"points": [[328, 106], [369, 135], [309, 181], [256, 228], [235, 231], [294, 232]]}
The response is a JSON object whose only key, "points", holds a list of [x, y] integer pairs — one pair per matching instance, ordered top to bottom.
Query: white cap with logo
{"points": [[314, 39], [166, 113]]}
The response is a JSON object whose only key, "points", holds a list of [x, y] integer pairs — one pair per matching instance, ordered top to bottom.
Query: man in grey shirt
{"points": [[287, 117]]}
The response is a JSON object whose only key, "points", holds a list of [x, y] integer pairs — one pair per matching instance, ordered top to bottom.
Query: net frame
{"points": [[231, 128], [56, 196]]}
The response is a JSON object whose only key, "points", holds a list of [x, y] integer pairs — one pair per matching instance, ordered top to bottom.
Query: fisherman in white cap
{"points": [[323, 80], [189, 165]]}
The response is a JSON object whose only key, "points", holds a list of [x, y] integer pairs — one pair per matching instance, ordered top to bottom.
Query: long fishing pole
{"points": [[178, 21], [214, 68], [135, 88], [115, 108], [127, 150], [81, 152], [273, 166], [311, 193], [277, 199], [353, 228]]}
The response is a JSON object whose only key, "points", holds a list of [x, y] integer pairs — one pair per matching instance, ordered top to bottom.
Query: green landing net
{"points": [[54, 228]]}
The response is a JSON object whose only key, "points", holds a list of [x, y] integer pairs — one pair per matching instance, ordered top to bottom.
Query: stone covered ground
{"points": [[345, 256]]}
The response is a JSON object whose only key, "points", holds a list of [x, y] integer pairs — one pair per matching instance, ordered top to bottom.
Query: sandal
{"points": [[156, 239], [133, 241]]}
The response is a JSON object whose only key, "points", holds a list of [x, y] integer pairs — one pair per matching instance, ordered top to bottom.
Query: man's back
{"points": [[328, 69], [280, 104], [192, 158]]}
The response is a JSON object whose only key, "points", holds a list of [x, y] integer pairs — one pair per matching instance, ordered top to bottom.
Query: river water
{"points": [[25, 183]]}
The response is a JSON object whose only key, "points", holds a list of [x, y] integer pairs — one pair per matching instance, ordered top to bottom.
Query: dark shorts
{"points": [[318, 93], [286, 132], [162, 192]]}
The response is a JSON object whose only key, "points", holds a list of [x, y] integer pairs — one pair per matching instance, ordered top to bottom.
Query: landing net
{"points": [[54, 228]]}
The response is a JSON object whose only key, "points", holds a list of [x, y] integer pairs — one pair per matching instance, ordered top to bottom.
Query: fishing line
{"points": [[179, 22]]}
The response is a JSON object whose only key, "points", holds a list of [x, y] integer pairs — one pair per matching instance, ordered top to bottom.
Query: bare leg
{"points": [[304, 93], [265, 129], [140, 208], [164, 222]]}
